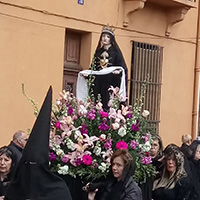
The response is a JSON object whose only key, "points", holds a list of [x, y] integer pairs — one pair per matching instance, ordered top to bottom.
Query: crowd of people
{"points": [[24, 163], [178, 172]]}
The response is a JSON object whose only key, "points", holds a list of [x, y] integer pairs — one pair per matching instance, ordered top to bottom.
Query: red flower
{"points": [[103, 114], [121, 145], [87, 159]]}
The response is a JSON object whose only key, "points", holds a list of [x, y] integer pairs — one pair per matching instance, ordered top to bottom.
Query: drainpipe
{"points": [[195, 110]]}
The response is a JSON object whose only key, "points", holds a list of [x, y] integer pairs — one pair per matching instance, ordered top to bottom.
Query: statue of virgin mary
{"points": [[108, 69]]}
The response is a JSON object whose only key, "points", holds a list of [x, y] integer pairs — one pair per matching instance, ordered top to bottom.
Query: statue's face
{"points": [[105, 39]]}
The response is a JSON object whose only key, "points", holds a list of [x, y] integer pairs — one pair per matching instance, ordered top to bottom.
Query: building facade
{"points": [[46, 43]]}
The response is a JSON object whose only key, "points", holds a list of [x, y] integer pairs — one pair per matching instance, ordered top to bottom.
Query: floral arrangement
{"points": [[84, 136]]}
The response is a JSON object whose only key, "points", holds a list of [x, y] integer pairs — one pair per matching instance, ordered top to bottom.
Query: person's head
{"points": [[107, 36], [20, 139], [186, 139], [156, 146], [195, 147], [6, 158], [174, 159], [119, 160]]}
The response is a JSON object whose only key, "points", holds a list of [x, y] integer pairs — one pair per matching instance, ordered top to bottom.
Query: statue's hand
{"points": [[117, 71], [84, 75]]}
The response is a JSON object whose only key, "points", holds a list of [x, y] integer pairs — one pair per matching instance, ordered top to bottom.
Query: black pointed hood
{"points": [[33, 179]]}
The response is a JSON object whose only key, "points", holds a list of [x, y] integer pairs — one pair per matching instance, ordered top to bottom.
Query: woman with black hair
{"points": [[108, 69], [6, 169], [174, 183], [121, 186]]}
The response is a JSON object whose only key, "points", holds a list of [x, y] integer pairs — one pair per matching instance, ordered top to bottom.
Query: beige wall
{"points": [[32, 48]]}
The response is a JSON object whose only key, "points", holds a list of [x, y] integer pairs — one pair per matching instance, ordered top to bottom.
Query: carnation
{"points": [[103, 114], [58, 124], [84, 137], [121, 145], [87, 159]]}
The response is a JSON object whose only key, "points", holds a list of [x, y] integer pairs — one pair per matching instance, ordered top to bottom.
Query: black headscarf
{"points": [[115, 54], [33, 179], [119, 186], [112, 189]]}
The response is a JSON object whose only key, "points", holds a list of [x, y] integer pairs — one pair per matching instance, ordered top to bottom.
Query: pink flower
{"points": [[103, 114], [91, 115], [58, 124], [146, 138], [108, 144], [133, 144], [121, 145], [65, 159], [87, 159], [146, 160]]}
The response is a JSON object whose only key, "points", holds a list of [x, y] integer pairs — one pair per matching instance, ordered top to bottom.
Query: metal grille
{"points": [[147, 61]]}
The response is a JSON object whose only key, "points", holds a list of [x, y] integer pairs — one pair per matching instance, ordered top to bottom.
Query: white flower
{"points": [[58, 102], [99, 106], [82, 110], [145, 113], [69, 120], [115, 126], [122, 132], [102, 137], [70, 144], [55, 146], [145, 147], [97, 150], [59, 152], [103, 167], [63, 170]]}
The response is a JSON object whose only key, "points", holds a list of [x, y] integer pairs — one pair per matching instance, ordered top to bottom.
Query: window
{"points": [[147, 61]]}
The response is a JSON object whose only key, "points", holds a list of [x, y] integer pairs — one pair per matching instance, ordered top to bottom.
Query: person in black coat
{"points": [[17, 145], [185, 147], [156, 153], [6, 169], [195, 170], [33, 179], [174, 183], [121, 186]]}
